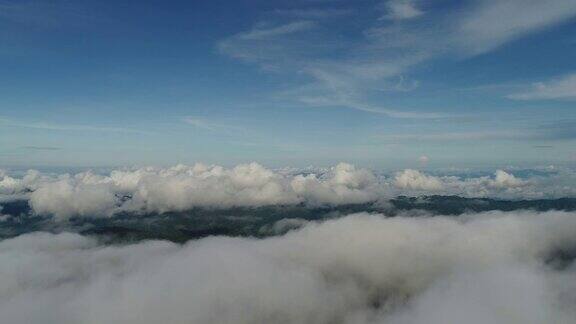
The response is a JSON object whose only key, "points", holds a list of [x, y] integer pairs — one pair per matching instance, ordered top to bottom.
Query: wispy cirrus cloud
{"points": [[401, 9], [42, 13], [314, 13], [488, 24], [264, 32], [357, 65], [561, 88], [351, 103], [7, 122], [199, 123], [206, 124], [552, 131], [455, 136], [41, 148]]}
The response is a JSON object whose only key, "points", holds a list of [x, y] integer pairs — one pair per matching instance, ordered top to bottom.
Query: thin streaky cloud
{"points": [[401, 9], [43, 13], [314, 13], [489, 24], [264, 33], [384, 51], [561, 88], [324, 101], [396, 113], [199, 123], [202, 123], [67, 127], [552, 131], [455, 136], [41, 148]]}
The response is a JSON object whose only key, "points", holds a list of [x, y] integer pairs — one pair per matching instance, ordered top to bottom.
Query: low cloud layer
{"points": [[181, 188], [485, 268]]}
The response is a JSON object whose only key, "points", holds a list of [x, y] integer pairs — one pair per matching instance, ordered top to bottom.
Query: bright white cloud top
{"points": [[180, 188], [485, 268]]}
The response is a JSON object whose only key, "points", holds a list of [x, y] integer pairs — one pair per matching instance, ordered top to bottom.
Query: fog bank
{"points": [[480, 268]]}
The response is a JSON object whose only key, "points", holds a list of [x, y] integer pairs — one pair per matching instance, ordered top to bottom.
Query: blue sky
{"points": [[287, 83]]}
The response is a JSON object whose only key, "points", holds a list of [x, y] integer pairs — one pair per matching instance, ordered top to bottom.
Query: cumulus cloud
{"points": [[414, 179], [503, 179], [345, 184], [9, 185], [502, 185], [16, 188], [180, 188], [71, 196], [487, 268]]}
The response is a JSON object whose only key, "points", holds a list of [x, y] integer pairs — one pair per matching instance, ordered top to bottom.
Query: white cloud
{"points": [[401, 9], [322, 13], [491, 23], [263, 33], [350, 70], [563, 88], [349, 101], [199, 122], [210, 125], [66, 127], [557, 130], [458, 136], [504, 179], [415, 180], [345, 184], [9, 185], [503, 185], [17, 188], [181, 188], [68, 197], [283, 226], [484, 268]]}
